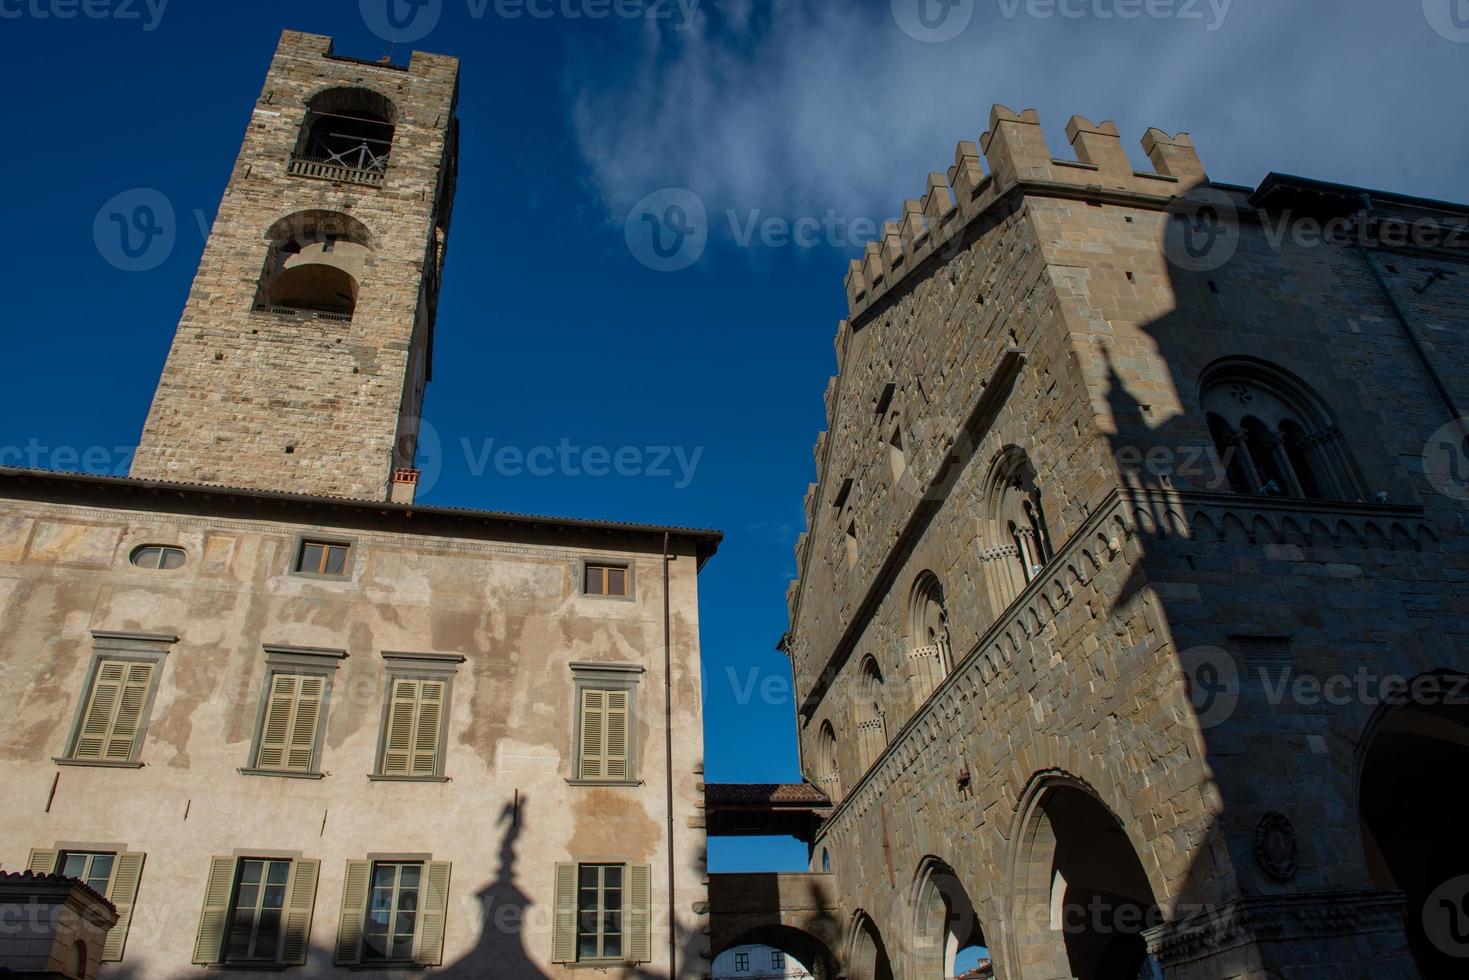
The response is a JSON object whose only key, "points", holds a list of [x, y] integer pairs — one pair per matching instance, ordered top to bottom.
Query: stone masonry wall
{"points": [[241, 386]]}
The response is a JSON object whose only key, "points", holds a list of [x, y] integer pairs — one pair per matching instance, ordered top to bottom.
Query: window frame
{"points": [[329, 541], [163, 550], [628, 567], [145, 648], [303, 662], [437, 667], [606, 677], [126, 862], [399, 862], [302, 882], [234, 906], [742, 961]]}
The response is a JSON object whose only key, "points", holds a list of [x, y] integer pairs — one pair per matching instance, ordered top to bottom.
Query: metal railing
{"points": [[322, 170], [298, 313]]}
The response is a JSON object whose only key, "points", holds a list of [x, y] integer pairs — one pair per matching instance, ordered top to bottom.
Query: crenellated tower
{"points": [[306, 343]]}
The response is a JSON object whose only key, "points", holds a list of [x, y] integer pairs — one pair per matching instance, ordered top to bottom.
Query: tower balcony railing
{"points": [[300, 166], [302, 314]]}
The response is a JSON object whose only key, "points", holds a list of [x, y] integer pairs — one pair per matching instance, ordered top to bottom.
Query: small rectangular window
{"points": [[323, 558], [609, 580], [604, 720], [92, 867], [256, 909], [392, 912], [599, 912], [777, 960], [742, 962]]}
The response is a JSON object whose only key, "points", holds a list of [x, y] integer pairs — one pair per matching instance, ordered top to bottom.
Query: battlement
{"points": [[1016, 155]]}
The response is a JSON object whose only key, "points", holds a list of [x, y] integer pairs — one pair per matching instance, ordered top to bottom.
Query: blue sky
{"points": [[743, 112]]}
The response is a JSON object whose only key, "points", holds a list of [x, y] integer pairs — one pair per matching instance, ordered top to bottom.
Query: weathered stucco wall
{"points": [[510, 605]]}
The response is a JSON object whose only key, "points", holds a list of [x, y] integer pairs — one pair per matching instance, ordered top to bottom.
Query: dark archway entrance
{"points": [[1413, 834], [1083, 899], [944, 921]]}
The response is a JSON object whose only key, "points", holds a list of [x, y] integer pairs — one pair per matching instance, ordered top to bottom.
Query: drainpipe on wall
{"points": [[1404, 323], [668, 763]]}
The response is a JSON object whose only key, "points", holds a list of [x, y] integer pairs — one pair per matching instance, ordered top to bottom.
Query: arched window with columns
{"points": [[1274, 436], [1016, 536], [929, 656], [871, 713], [828, 774]]}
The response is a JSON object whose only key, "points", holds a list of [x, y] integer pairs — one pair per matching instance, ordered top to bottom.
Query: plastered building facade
{"points": [[1140, 511], [282, 716]]}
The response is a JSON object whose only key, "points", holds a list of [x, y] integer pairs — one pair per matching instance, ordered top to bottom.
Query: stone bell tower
{"points": [[305, 346]]}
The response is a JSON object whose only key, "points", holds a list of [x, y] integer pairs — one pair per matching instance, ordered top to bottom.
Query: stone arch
{"points": [[349, 127], [314, 265], [1276, 435], [1015, 532], [930, 656], [872, 733], [828, 776], [1412, 827], [1080, 897], [944, 921], [800, 945], [867, 955]]}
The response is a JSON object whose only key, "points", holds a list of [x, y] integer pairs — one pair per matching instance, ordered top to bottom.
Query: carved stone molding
{"points": [[1275, 846], [1275, 918]]}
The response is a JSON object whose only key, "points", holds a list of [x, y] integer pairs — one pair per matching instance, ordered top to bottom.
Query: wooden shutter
{"points": [[114, 711], [292, 713], [415, 715], [125, 725], [593, 727], [426, 728], [275, 733], [398, 745], [302, 750], [615, 754], [42, 861], [122, 891], [300, 901], [354, 911], [433, 914], [639, 939], [563, 940], [209, 945]]}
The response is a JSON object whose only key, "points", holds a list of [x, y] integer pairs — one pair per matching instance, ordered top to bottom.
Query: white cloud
{"points": [[794, 108]]}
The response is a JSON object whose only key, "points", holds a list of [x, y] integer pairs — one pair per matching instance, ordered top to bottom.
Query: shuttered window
{"points": [[112, 720], [291, 723], [412, 736], [604, 739], [113, 875], [257, 910], [393, 912], [602, 913]]}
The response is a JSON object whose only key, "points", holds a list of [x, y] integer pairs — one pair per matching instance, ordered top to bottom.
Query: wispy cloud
{"points": [[797, 107]]}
